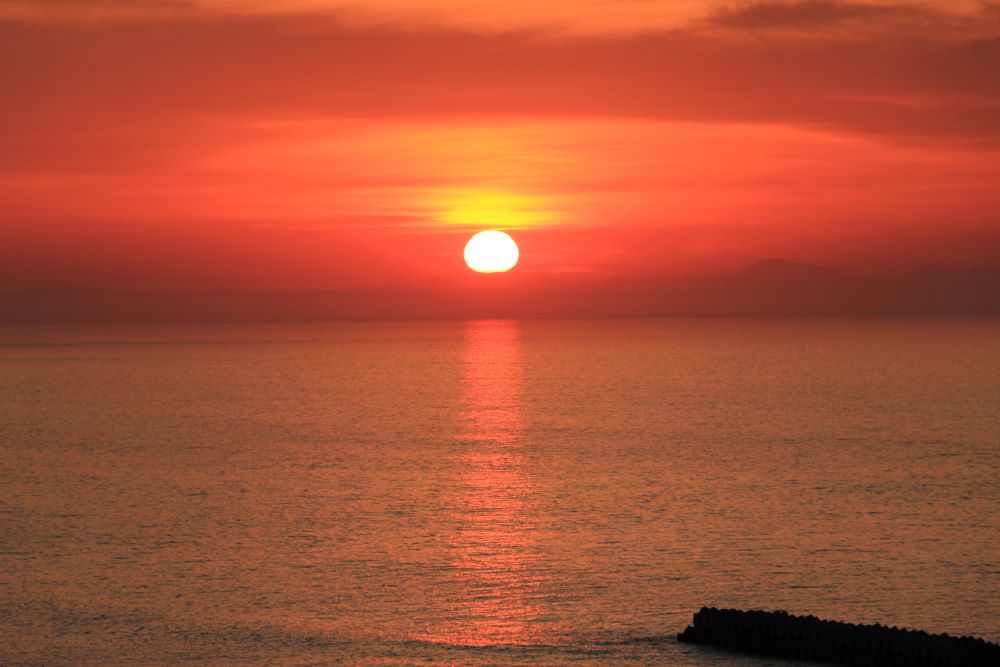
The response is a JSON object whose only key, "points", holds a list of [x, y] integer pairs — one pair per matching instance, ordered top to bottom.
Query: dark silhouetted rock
{"points": [[783, 635]]}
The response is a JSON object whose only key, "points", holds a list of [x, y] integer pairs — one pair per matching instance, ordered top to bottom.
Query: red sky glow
{"points": [[242, 144]]}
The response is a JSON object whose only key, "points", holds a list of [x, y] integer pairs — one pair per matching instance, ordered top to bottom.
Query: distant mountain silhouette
{"points": [[781, 271], [769, 287]]}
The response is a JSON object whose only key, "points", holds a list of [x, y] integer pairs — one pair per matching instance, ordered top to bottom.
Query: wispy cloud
{"points": [[858, 17], [892, 82]]}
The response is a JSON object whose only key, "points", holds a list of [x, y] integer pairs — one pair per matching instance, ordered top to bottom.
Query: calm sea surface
{"points": [[489, 492]]}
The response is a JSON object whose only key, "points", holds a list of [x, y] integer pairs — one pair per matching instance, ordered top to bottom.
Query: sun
{"points": [[491, 251]]}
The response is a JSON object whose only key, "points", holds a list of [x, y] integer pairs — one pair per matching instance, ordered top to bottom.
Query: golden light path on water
{"points": [[496, 556]]}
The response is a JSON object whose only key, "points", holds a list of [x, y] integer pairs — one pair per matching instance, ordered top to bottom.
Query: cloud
{"points": [[62, 10], [824, 14], [891, 83]]}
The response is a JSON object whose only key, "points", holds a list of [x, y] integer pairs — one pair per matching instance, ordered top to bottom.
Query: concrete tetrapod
{"points": [[783, 635]]}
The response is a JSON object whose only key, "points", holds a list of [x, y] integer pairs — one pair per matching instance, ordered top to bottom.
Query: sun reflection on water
{"points": [[498, 601]]}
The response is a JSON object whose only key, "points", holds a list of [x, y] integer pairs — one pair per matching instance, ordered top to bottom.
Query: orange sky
{"points": [[246, 144]]}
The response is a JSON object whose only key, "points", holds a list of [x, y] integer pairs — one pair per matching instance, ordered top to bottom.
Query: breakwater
{"points": [[784, 635]]}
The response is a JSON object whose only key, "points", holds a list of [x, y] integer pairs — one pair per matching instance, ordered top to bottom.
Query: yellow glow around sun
{"points": [[494, 208], [491, 252]]}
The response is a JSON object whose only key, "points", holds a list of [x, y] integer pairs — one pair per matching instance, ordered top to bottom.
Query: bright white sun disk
{"points": [[491, 252]]}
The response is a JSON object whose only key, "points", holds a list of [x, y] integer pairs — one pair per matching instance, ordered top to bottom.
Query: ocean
{"points": [[489, 492]]}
